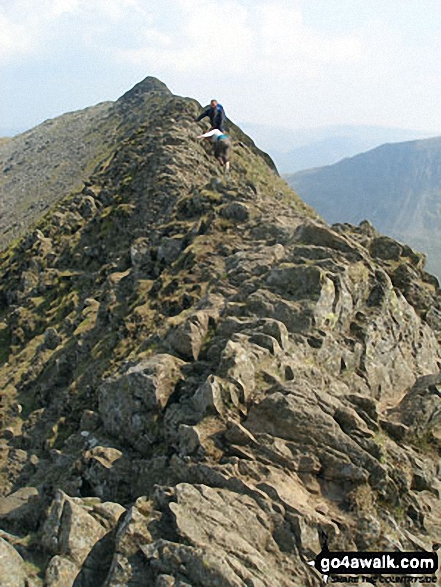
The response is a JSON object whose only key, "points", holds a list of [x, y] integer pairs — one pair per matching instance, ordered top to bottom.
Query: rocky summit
{"points": [[203, 384]]}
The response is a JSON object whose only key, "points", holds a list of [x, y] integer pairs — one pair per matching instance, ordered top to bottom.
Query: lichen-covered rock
{"points": [[235, 211], [140, 254], [187, 339], [211, 397], [128, 403], [420, 409], [108, 471], [20, 511], [69, 530], [211, 548], [128, 565], [13, 572], [61, 572]]}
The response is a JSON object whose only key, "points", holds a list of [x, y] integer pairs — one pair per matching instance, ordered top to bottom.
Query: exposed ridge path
{"points": [[192, 372]]}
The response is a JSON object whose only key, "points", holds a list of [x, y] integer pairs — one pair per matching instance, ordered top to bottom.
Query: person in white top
{"points": [[222, 146]]}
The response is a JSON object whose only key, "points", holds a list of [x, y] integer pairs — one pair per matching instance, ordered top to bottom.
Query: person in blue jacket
{"points": [[216, 113]]}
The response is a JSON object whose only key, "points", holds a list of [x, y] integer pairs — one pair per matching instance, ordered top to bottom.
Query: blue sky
{"points": [[293, 63]]}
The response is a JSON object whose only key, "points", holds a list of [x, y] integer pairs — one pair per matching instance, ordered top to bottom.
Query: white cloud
{"points": [[28, 31], [285, 35], [230, 36], [206, 37], [234, 37], [13, 39]]}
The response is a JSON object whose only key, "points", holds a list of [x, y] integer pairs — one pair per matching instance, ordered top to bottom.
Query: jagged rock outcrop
{"points": [[395, 186], [202, 379]]}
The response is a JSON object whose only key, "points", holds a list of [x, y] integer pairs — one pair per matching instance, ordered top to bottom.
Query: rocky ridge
{"points": [[41, 166], [395, 186], [202, 380]]}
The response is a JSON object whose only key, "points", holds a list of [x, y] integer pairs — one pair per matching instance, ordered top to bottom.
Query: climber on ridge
{"points": [[216, 113], [222, 146]]}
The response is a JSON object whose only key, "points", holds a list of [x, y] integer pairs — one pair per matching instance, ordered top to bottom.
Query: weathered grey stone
{"points": [[235, 211], [316, 234], [386, 248], [169, 250], [140, 254], [298, 281], [265, 304], [277, 330], [188, 338], [51, 339], [267, 342], [237, 365], [210, 397], [127, 403], [419, 410], [292, 416], [396, 430], [238, 434], [189, 439], [108, 471], [20, 510], [108, 514], [69, 530], [307, 536], [215, 551], [128, 565], [11, 566], [61, 572]]}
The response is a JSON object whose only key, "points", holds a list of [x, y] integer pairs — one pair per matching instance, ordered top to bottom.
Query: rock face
{"points": [[40, 166], [395, 186], [203, 381]]}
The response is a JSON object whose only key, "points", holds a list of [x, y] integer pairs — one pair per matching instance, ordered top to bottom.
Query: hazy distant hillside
{"points": [[302, 148], [44, 164], [396, 186]]}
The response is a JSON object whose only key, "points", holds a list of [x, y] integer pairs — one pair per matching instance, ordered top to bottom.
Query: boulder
{"points": [[236, 211], [386, 248], [169, 250], [140, 254], [298, 281], [51, 339], [187, 339], [237, 365], [211, 396], [128, 403], [19, 511], [69, 530], [12, 568], [61, 572]]}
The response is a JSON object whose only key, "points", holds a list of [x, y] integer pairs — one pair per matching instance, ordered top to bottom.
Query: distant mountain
{"points": [[297, 149], [395, 186]]}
